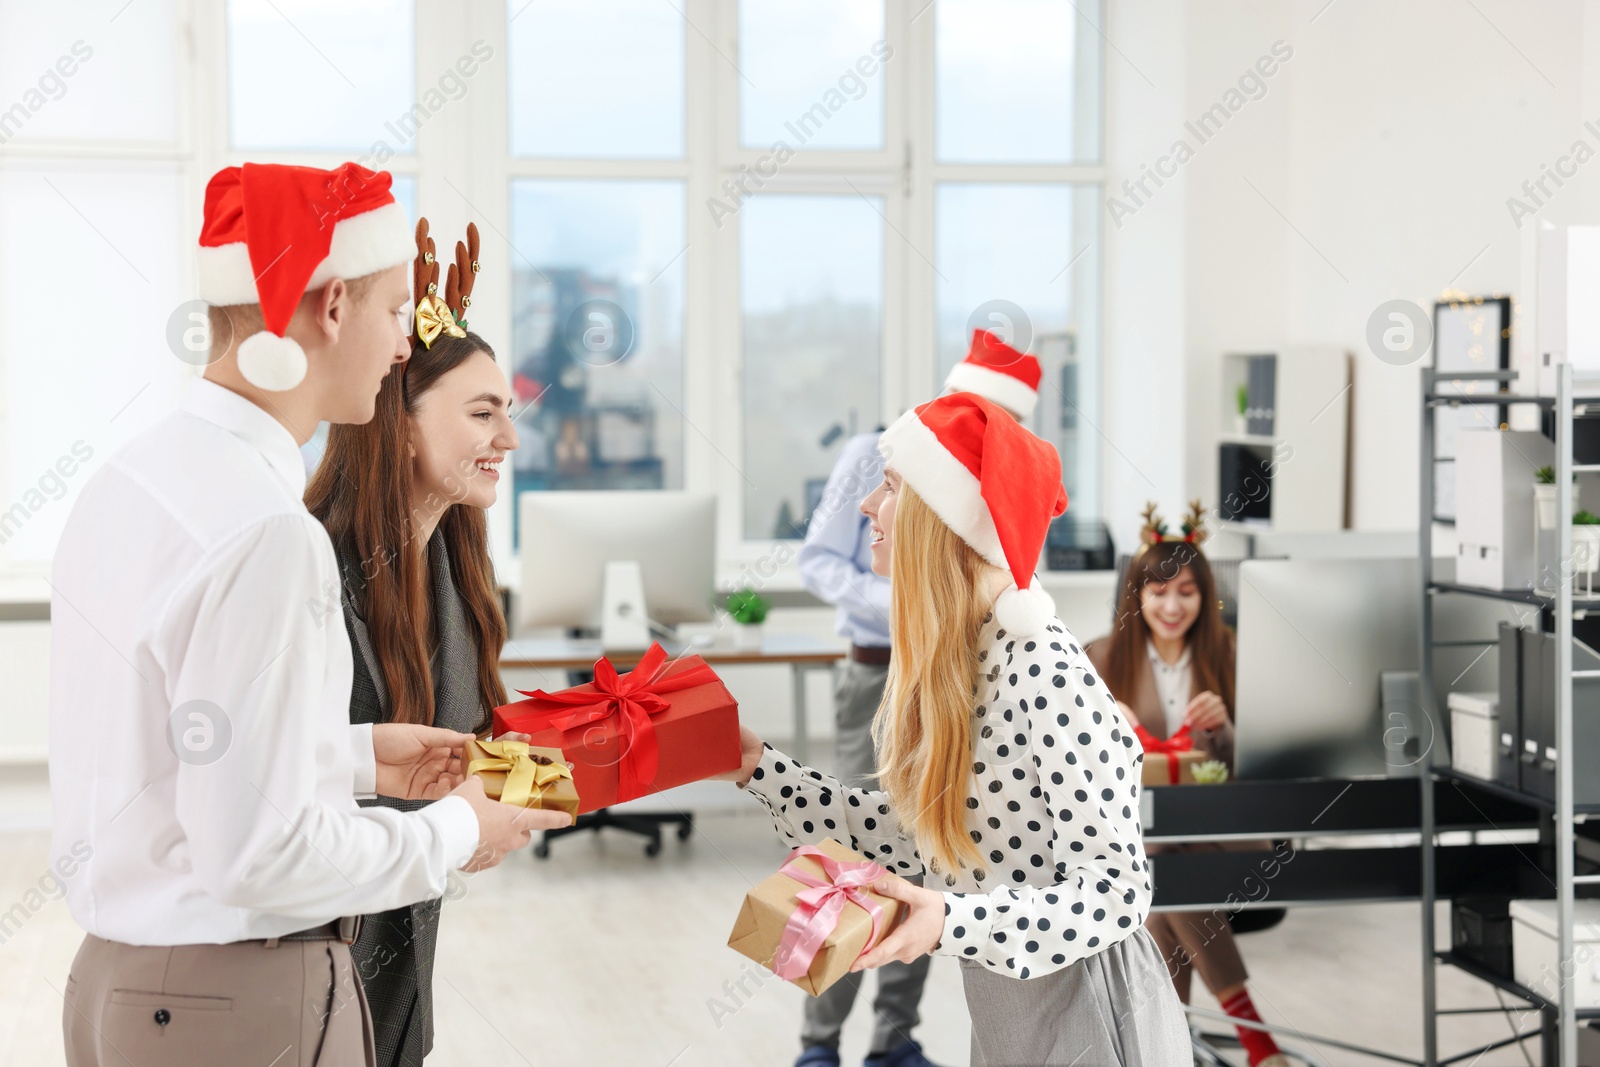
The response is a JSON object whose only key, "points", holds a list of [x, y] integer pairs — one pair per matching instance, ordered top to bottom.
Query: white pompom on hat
{"points": [[272, 233], [995, 370], [991, 481]]}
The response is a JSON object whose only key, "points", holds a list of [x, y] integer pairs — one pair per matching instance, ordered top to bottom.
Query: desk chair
{"points": [[645, 824]]}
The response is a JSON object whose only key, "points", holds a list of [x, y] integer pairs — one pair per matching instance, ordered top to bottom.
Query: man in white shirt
{"points": [[201, 755]]}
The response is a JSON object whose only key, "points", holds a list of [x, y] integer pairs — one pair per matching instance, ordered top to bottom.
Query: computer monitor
{"points": [[572, 540], [1314, 636]]}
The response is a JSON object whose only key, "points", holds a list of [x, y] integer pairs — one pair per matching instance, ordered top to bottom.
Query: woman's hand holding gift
{"points": [[750, 746], [417, 762], [917, 935]]}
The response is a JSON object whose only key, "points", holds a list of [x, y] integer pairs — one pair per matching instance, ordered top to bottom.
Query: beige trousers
{"points": [[283, 1004]]}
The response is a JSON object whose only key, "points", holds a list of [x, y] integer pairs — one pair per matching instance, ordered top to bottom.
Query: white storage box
{"points": [[1494, 506], [1474, 728], [1533, 949]]}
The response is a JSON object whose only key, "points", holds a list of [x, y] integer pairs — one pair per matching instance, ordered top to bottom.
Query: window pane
{"points": [[66, 73], [812, 74], [596, 78], [1018, 81], [353, 83], [1002, 249], [811, 294], [597, 333], [75, 386]]}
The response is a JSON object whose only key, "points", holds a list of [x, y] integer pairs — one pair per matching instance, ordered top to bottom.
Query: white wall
{"points": [[1381, 157], [1143, 426]]}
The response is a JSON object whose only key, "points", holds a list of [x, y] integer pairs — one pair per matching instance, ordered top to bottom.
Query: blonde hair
{"points": [[923, 727]]}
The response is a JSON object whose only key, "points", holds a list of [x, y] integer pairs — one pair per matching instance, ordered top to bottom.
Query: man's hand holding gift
{"points": [[416, 762]]}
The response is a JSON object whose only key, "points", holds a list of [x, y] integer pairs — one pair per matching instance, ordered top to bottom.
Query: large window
{"points": [[92, 218], [720, 236], [811, 297], [597, 333]]}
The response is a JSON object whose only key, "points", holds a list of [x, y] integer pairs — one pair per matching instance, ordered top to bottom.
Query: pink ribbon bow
{"points": [[633, 697], [820, 906]]}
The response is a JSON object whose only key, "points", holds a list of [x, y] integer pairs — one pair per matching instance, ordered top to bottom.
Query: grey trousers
{"points": [[855, 700], [208, 1005], [1116, 1008]]}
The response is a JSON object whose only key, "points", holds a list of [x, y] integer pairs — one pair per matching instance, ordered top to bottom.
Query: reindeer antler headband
{"points": [[448, 315], [1154, 531]]}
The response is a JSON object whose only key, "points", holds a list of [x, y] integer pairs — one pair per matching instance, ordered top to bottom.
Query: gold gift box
{"points": [[541, 775], [766, 911]]}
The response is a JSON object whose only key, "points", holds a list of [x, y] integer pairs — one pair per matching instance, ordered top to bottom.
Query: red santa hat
{"points": [[273, 233], [995, 370], [992, 482]]}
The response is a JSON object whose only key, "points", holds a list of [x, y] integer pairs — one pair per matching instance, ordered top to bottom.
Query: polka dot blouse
{"points": [[1053, 805]]}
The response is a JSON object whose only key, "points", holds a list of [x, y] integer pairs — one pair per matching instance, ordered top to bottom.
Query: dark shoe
{"points": [[906, 1054], [818, 1056]]}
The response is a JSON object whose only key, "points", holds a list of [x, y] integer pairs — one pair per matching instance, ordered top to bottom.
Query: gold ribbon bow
{"points": [[433, 318], [527, 775]]}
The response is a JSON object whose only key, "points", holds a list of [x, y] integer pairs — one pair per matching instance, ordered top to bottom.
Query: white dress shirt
{"points": [[190, 571], [1173, 682], [1052, 804]]}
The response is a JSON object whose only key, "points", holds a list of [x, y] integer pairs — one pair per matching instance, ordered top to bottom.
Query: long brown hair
{"points": [[362, 493], [1210, 641], [923, 727]]}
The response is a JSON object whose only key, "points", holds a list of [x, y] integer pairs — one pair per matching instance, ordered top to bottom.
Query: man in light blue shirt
{"points": [[836, 567]]}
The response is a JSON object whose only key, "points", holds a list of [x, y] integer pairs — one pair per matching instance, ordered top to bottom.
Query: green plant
{"points": [[1241, 396], [1547, 476], [1586, 518], [748, 607]]}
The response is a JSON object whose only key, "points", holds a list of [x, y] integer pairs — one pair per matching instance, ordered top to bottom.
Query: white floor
{"points": [[634, 969]]}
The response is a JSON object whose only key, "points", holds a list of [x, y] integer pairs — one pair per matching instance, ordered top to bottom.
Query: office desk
{"points": [[801, 654], [1286, 877]]}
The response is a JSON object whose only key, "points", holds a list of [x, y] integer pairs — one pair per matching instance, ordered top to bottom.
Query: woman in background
{"points": [[403, 500], [1169, 661]]}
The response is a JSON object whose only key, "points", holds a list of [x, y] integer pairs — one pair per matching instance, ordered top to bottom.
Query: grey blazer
{"points": [[394, 954]]}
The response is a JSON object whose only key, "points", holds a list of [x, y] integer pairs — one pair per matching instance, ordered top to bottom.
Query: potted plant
{"points": [[1241, 396], [1544, 496], [1586, 547], [748, 608]]}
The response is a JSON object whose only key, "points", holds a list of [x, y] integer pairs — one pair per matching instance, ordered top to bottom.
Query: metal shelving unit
{"points": [[1559, 1017]]}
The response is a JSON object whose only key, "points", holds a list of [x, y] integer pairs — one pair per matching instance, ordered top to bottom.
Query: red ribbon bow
{"points": [[633, 697], [1169, 747], [820, 905]]}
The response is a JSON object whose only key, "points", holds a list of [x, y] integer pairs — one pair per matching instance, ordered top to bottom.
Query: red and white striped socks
{"points": [[1258, 1044]]}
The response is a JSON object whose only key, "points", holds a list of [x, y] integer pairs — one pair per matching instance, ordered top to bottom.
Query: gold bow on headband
{"points": [[433, 318], [528, 775]]}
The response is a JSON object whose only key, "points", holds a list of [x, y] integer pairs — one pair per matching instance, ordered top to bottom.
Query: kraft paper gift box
{"points": [[628, 735], [1174, 761], [1171, 768], [515, 772], [810, 921]]}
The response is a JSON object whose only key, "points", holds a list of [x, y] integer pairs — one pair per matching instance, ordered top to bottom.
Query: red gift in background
{"points": [[658, 726]]}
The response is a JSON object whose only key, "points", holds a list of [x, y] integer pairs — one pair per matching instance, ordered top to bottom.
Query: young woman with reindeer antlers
{"points": [[403, 499], [1169, 659]]}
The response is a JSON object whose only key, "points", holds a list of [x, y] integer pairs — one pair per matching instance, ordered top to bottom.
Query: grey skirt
{"points": [[1114, 1009]]}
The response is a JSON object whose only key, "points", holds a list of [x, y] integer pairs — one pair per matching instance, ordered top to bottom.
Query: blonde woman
{"points": [[1010, 779]]}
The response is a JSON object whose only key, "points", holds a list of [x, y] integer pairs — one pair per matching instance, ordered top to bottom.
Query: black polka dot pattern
{"points": [[1052, 808]]}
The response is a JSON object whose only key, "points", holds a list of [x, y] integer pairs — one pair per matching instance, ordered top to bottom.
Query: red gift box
{"points": [[658, 726]]}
